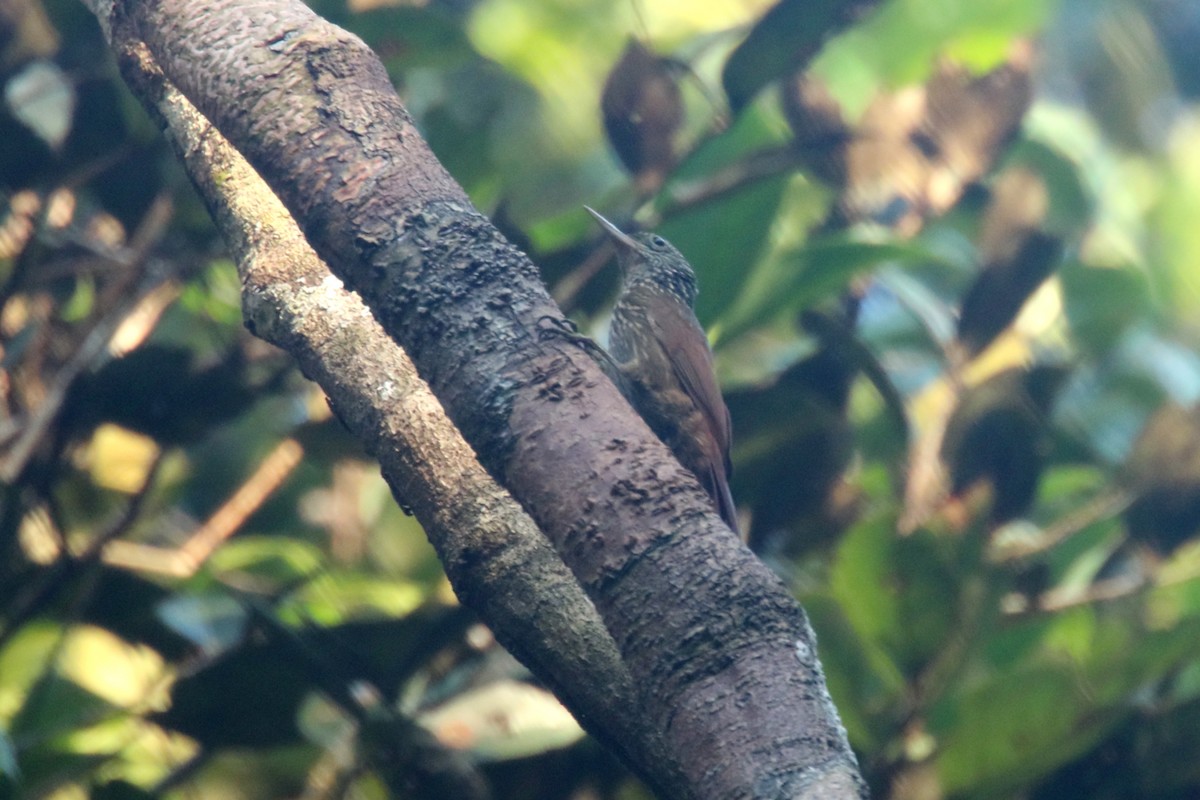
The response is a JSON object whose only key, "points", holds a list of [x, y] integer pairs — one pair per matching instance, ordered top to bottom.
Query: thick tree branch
{"points": [[496, 558], [724, 659]]}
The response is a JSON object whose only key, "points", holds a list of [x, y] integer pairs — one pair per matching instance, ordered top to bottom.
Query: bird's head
{"points": [[647, 258]]}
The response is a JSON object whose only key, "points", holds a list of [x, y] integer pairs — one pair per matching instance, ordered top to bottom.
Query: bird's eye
{"points": [[659, 242]]}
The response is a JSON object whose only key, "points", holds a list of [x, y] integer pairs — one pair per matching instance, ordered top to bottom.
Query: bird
{"points": [[659, 357]]}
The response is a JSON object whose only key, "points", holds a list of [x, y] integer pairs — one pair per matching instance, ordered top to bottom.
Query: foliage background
{"points": [[171, 666]]}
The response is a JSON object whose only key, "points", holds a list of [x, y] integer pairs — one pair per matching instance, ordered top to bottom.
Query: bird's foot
{"points": [[550, 327]]}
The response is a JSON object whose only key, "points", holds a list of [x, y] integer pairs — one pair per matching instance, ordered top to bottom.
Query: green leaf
{"points": [[725, 236], [801, 276], [1102, 303], [282, 561], [896, 593], [336, 596], [22, 662], [863, 679], [1006, 732]]}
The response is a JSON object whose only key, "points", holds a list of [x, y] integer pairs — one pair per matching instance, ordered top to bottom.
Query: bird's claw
{"points": [[550, 326]]}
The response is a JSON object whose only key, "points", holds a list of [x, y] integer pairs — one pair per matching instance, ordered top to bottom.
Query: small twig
{"points": [[757, 166], [72, 182], [1099, 508], [224, 522], [1109, 590], [1057, 600]]}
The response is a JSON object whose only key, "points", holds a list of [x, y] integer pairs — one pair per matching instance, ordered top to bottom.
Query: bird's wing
{"points": [[681, 336], [683, 339]]}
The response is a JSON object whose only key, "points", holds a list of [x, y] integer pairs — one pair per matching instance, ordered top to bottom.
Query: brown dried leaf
{"points": [[643, 110]]}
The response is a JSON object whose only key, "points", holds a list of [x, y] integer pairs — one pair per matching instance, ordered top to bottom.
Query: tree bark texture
{"points": [[495, 557], [723, 658]]}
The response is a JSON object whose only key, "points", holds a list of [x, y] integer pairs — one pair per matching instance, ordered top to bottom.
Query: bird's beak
{"points": [[622, 239]]}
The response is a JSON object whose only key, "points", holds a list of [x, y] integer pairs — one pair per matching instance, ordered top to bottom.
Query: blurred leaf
{"points": [[785, 39], [722, 239], [1175, 250], [1016, 255], [214, 294], [999, 294], [82, 302], [1102, 303], [998, 435], [119, 459], [862, 580], [897, 593], [333, 597], [1174, 608], [213, 622], [1015, 644], [25, 658], [123, 674], [56, 707], [54, 765]]}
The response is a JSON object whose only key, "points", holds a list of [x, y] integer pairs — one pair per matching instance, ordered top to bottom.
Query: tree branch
{"points": [[496, 559], [724, 660]]}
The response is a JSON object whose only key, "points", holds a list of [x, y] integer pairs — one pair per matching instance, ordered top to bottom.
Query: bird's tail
{"points": [[723, 499]]}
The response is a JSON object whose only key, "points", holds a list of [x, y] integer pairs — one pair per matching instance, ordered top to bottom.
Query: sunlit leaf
{"points": [[43, 98], [119, 458], [282, 562], [335, 597], [121, 673], [504, 720]]}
